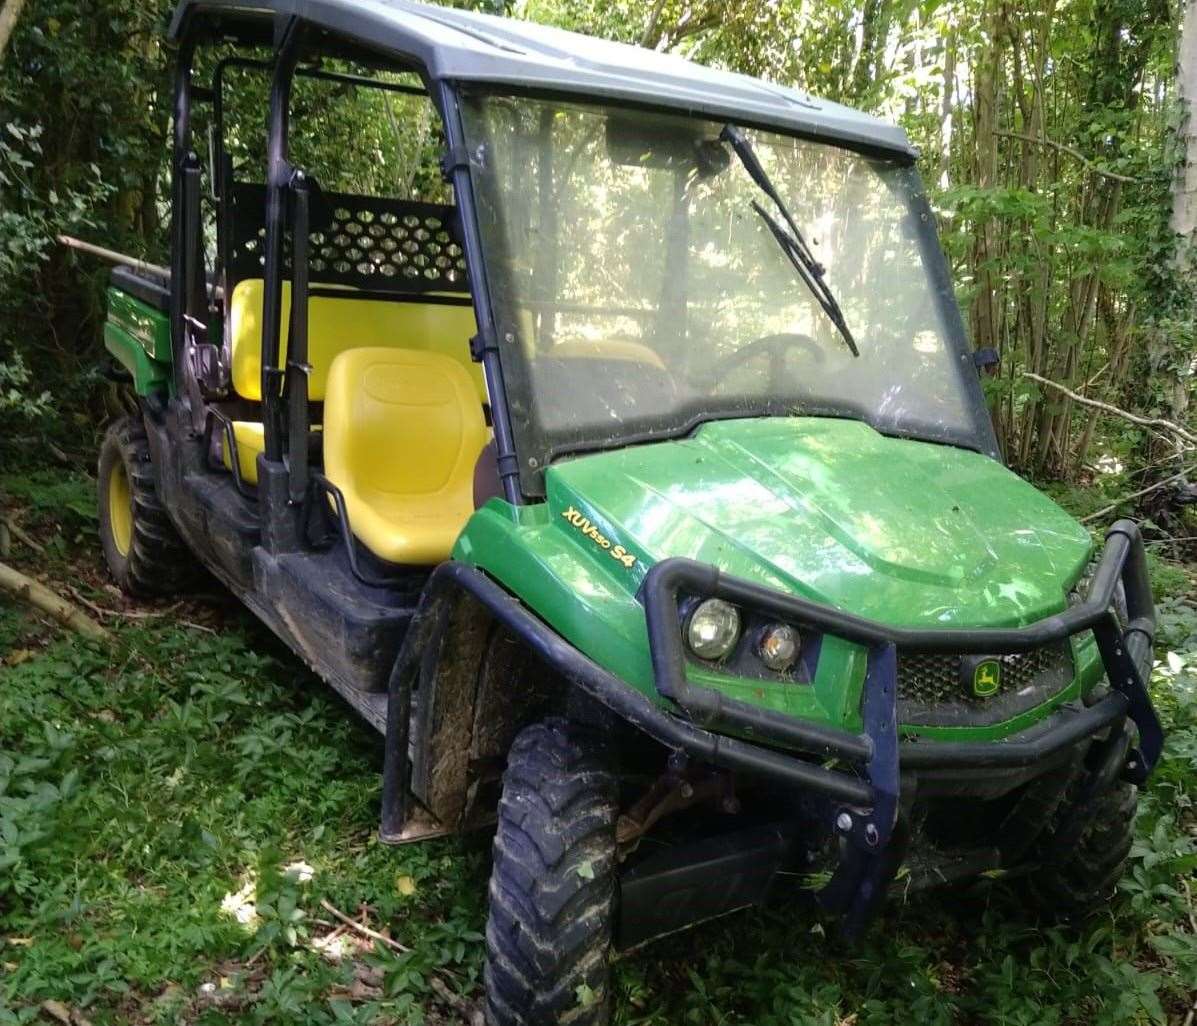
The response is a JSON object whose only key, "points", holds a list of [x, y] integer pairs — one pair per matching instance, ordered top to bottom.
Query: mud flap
{"points": [[872, 841]]}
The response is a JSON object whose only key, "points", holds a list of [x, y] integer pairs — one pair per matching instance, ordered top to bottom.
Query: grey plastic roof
{"points": [[464, 46]]}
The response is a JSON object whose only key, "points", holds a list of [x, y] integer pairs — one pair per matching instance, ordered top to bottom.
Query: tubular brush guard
{"points": [[873, 840]]}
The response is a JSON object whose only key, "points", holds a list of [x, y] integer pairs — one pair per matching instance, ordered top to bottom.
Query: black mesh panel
{"points": [[366, 242]]}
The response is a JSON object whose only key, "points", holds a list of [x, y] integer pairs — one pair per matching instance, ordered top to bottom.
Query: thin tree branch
{"points": [[651, 34], [1061, 148], [1150, 422], [1141, 492], [21, 536]]}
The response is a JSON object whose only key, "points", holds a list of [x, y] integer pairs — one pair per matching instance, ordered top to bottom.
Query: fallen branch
{"points": [[1061, 148], [113, 257], [1097, 404], [59, 455], [1141, 492], [22, 537], [44, 599], [353, 924]]}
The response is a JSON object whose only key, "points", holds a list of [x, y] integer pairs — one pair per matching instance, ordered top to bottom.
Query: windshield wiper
{"points": [[789, 237]]}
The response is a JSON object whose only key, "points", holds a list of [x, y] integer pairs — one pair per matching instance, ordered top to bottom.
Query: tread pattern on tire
{"points": [[157, 563], [1079, 872], [552, 888]]}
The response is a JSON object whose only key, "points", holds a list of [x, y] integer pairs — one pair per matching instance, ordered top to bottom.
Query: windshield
{"points": [[638, 291]]}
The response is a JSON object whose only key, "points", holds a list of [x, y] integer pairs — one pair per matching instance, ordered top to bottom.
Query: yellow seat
{"points": [[346, 322], [608, 349], [403, 429], [250, 436], [251, 440]]}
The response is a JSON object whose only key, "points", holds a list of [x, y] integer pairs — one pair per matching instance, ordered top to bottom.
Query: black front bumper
{"points": [[863, 794]]}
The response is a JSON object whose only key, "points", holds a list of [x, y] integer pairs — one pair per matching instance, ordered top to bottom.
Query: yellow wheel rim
{"points": [[120, 509]]}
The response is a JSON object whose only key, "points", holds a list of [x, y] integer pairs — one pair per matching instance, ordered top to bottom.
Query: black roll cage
{"points": [[294, 39], [288, 195]]}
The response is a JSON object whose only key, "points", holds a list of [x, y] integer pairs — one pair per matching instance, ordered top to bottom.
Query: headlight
{"points": [[713, 629], [778, 647]]}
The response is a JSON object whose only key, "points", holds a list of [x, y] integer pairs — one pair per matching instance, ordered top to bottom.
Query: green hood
{"points": [[905, 532]]}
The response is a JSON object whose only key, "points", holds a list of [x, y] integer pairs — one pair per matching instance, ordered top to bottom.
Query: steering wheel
{"points": [[776, 346]]}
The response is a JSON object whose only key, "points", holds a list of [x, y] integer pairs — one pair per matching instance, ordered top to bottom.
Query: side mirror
{"points": [[988, 361]]}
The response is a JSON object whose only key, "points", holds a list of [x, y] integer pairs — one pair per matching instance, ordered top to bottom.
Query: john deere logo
{"points": [[987, 678]]}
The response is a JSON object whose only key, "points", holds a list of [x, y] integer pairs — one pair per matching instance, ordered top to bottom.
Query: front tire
{"points": [[141, 547], [1078, 871], [552, 888]]}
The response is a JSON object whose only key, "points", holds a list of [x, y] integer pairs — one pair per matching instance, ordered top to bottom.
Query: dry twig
{"points": [[1141, 492], [17, 532], [82, 600], [126, 614], [353, 924], [450, 997]]}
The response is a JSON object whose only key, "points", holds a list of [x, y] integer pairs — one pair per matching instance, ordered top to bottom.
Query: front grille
{"points": [[931, 691]]}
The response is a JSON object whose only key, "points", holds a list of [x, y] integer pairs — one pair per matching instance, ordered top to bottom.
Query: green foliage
{"points": [[19, 402]]}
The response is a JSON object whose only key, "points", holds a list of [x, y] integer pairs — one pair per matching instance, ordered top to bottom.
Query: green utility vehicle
{"points": [[631, 473]]}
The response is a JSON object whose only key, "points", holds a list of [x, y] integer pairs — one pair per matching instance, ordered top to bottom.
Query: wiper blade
{"points": [[789, 236], [811, 273]]}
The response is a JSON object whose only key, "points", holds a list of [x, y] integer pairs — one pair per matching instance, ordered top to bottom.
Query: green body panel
{"points": [[138, 336], [904, 532]]}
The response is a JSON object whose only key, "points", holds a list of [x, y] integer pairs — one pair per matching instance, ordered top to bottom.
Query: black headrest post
{"points": [[278, 180], [298, 367]]}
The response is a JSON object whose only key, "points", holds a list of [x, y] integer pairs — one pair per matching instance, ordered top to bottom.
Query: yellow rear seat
{"points": [[334, 326], [251, 440]]}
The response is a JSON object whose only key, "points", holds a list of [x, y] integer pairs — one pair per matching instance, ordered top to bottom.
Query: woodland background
{"points": [[1055, 137], [182, 807]]}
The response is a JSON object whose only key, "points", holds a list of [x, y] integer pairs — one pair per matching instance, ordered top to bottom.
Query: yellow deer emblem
{"points": [[987, 678]]}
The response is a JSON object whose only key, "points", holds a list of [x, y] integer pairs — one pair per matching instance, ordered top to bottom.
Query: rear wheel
{"points": [[140, 545], [552, 888]]}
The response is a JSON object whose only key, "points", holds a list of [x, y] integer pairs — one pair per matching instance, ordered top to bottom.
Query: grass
{"points": [[176, 807]]}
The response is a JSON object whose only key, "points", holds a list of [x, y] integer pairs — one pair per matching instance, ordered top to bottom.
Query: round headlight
{"points": [[713, 629], [778, 647]]}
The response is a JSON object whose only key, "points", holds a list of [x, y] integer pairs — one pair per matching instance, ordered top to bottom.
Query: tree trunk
{"points": [[874, 19], [8, 21], [947, 104], [1184, 186]]}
